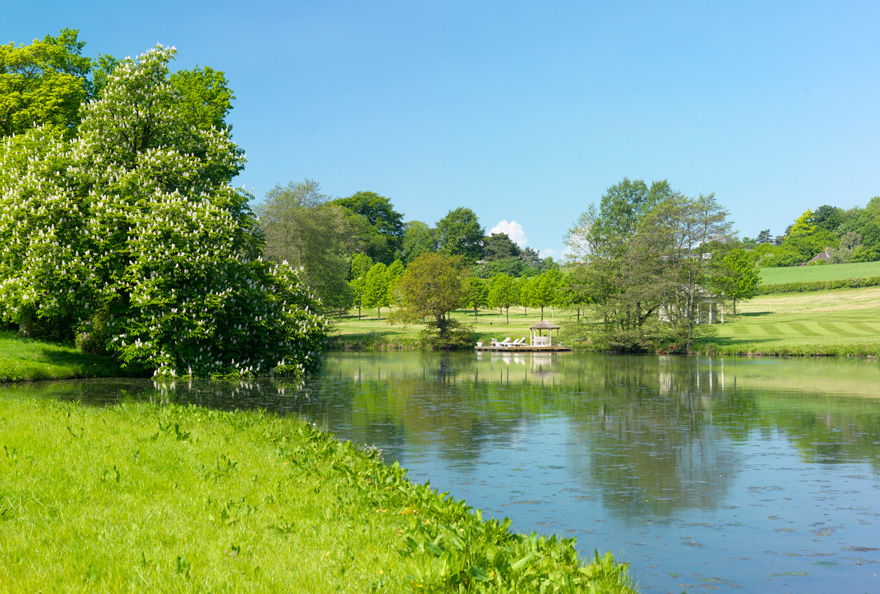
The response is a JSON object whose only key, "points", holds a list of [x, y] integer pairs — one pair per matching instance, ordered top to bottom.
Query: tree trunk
{"points": [[26, 325]]}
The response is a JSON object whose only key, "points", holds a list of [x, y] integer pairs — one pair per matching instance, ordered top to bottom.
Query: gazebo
{"points": [[536, 337]]}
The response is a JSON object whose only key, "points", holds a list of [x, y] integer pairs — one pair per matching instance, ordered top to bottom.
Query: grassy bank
{"points": [[24, 359], [138, 497]]}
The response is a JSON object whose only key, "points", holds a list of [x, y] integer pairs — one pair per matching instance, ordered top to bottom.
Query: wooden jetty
{"points": [[538, 343], [526, 348]]}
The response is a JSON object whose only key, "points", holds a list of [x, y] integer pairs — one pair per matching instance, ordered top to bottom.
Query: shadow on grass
{"points": [[754, 314], [88, 365]]}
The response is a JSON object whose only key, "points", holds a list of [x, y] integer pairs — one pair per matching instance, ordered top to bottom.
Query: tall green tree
{"points": [[43, 84], [387, 223], [302, 228], [459, 234], [131, 237], [418, 239], [602, 239], [646, 251], [673, 251], [360, 267], [393, 274], [738, 277], [376, 288], [546, 289], [429, 290], [502, 293], [475, 294]]}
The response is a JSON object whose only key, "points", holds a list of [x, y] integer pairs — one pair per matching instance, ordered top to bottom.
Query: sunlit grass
{"points": [[823, 272], [840, 322], [370, 330], [25, 359], [148, 498]]}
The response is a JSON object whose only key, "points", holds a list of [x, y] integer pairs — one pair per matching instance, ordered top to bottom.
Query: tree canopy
{"points": [[384, 220], [302, 228], [459, 234], [130, 237], [430, 288]]}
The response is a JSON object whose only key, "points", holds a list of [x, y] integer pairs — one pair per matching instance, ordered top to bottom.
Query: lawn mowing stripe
{"points": [[865, 327], [835, 329], [744, 330], [770, 330], [803, 330]]}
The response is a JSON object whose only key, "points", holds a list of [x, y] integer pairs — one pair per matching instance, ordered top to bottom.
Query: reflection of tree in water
{"points": [[653, 433], [653, 449]]}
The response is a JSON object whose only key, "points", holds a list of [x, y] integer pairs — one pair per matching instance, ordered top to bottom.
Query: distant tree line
{"points": [[853, 235]]}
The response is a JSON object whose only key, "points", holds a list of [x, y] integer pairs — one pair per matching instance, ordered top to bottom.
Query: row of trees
{"points": [[119, 226], [331, 239], [376, 286]]}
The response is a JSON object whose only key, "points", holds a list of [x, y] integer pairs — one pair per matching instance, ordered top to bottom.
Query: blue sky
{"points": [[527, 112]]}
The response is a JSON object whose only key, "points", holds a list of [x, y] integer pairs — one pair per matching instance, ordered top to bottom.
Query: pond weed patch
{"points": [[181, 498]]}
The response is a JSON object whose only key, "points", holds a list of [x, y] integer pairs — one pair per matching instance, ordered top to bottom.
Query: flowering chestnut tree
{"points": [[131, 236]]}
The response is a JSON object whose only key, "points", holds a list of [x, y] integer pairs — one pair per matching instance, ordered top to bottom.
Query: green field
{"points": [[822, 272], [840, 322], [370, 330], [144, 497]]}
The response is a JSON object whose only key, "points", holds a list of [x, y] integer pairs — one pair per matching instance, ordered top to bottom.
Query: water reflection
{"points": [[639, 455]]}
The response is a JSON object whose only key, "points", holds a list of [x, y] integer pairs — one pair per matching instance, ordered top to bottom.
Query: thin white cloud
{"points": [[514, 231]]}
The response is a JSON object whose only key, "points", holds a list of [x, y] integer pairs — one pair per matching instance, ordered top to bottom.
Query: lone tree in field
{"points": [[428, 290]]}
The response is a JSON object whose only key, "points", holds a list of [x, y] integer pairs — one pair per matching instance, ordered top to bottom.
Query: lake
{"points": [[759, 475]]}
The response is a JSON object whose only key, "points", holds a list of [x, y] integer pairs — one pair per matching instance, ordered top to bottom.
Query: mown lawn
{"points": [[822, 272], [839, 322], [371, 330]]}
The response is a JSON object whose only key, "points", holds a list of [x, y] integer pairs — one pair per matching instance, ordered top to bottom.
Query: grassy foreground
{"points": [[24, 359], [140, 497]]}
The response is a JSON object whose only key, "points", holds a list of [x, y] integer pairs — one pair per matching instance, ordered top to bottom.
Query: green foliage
{"points": [[43, 84], [205, 94], [135, 221], [387, 222], [303, 229], [459, 234], [418, 239], [645, 255], [739, 277], [376, 288], [429, 289], [503, 293], [475, 294], [244, 501]]}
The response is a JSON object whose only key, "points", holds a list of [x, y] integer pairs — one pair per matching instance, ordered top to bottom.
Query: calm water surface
{"points": [[749, 475]]}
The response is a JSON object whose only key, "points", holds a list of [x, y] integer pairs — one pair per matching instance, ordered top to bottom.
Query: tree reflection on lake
{"points": [[756, 473]]}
